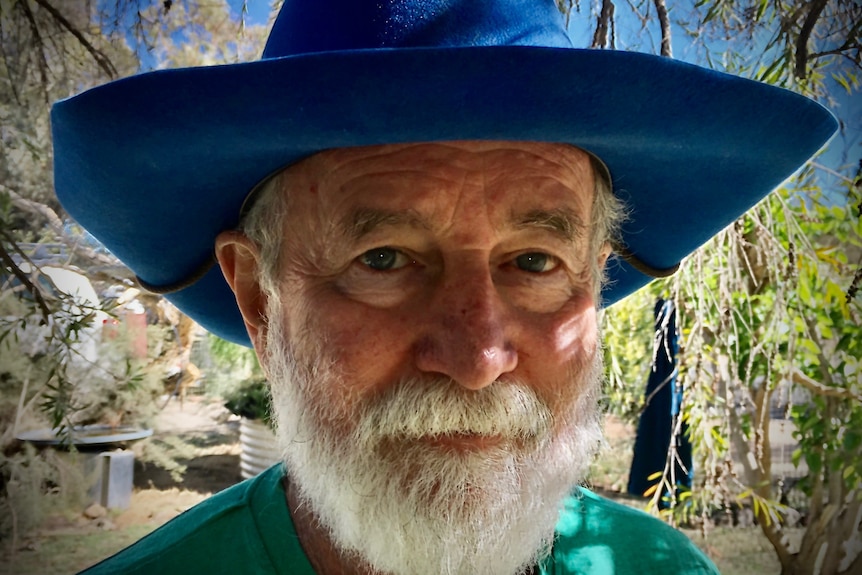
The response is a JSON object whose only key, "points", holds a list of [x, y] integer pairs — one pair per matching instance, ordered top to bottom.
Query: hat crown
{"points": [[309, 26]]}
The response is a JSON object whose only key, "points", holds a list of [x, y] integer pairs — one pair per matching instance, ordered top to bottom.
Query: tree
{"points": [[52, 49], [770, 309]]}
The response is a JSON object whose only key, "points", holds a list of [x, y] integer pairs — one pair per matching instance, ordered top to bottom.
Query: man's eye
{"points": [[384, 259], [536, 262]]}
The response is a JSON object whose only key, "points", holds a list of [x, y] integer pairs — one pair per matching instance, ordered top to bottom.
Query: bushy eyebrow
{"points": [[363, 221], [562, 222]]}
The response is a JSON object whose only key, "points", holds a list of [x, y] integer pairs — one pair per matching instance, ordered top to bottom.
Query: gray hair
{"points": [[608, 215], [263, 222]]}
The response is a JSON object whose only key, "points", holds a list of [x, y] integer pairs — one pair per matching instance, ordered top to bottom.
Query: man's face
{"points": [[468, 260], [434, 350]]}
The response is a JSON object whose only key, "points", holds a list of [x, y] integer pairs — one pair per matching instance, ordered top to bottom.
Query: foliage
{"points": [[49, 51], [770, 309], [770, 320], [627, 333], [777, 333], [53, 353], [232, 365], [57, 370], [245, 389], [251, 400], [168, 452], [36, 483]]}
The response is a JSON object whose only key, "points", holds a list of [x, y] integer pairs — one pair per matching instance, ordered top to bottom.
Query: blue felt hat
{"points": [[156, 165]]}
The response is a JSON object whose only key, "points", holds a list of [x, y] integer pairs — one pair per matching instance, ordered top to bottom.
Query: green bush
{"points": [[250, 400]]}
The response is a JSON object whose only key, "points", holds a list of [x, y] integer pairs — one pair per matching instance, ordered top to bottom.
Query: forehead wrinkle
{"points": [[376, 162], [396, 182]]}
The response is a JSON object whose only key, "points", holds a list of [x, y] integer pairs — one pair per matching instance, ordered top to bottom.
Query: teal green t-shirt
{"points": [[247, 529], [597, 536]]}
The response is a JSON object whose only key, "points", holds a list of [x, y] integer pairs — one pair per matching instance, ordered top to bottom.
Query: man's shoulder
{"points": [[219, 535], [598, 535]]}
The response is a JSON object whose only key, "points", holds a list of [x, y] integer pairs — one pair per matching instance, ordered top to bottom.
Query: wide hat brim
{"points": [[156, 165]]}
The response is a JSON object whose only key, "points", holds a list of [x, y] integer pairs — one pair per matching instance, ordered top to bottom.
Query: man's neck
{"points": [[322, 553]]}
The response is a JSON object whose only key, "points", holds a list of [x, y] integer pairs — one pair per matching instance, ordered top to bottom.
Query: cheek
{"points": [[578, 336], [559, 346], [367, 347], [562, 369]]}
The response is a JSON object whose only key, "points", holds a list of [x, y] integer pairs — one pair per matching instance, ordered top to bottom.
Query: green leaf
{"points": [[761, 10], [804, 288], [808, 345], [852, 440], [796, 457]]}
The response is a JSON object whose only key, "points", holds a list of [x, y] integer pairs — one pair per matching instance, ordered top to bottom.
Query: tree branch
{"points": [[565, 6], [817, 8], [664, 21], [603, 24], [850, 43], [38, 44], [103, 61], [13, 86], [56, 226], [22, 277], [854, 285], [825, 372], [818, 388], [851, 524], [772, 529], [856, 563]]}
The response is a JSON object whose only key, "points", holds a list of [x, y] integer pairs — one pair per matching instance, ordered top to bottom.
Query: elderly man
{"points": [[412, 208]]}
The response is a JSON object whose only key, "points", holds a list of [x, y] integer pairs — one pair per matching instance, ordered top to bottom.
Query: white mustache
{"points": [[417, 408]]}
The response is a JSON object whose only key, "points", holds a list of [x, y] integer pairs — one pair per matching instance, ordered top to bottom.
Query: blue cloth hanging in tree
{"points": [[660, 433]]}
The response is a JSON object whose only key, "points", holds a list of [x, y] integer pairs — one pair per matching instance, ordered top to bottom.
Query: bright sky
{"points": [[258, 10]]}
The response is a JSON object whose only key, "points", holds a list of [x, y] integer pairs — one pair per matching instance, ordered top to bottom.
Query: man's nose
{"points": [[467, 336]]}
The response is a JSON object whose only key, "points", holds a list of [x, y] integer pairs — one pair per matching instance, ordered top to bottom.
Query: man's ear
{"points": [[603, 255], [238, 258]]}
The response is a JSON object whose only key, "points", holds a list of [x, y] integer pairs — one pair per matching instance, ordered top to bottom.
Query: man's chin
{"points": [[462, 444], [453, 478], [477, 504]]}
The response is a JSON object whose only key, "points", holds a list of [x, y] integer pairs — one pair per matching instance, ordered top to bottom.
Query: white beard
{"points": [[385, 494]]}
